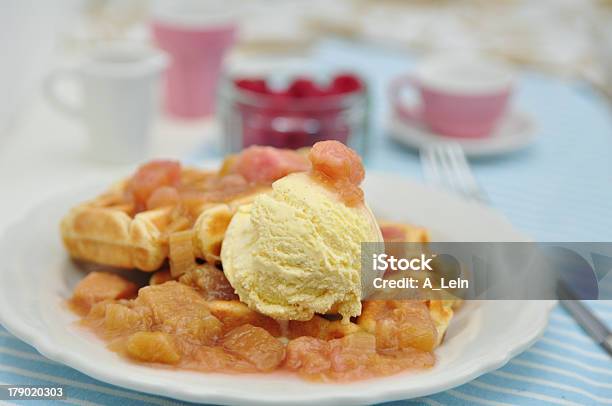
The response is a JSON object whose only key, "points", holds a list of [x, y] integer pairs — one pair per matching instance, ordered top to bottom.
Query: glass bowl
{"points": [[284, 120]]}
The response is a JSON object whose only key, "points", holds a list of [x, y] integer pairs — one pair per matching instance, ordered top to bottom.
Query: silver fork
{"points": [[444, 164]]}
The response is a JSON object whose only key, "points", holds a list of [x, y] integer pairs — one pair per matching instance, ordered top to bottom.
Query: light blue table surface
{"points": [[560, 189]]}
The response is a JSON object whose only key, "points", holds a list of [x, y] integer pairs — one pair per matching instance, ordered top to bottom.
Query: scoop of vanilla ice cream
{"points": [[297, 251]]}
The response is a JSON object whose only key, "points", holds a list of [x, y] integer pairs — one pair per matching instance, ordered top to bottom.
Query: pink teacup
{"points": [[197, 35], [459, 96]]}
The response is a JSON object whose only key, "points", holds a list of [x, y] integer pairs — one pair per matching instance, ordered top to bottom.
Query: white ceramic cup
{"points": [[118, 86]]}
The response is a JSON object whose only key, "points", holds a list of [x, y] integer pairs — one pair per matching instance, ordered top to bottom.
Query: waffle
{"points": [[106, 231]]}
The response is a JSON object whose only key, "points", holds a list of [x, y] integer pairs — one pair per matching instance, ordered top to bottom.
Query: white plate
{"points": [[516, 131], [36, 277]]}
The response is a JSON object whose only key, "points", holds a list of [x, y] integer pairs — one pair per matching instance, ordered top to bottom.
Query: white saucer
{"points": [[516, 131]]}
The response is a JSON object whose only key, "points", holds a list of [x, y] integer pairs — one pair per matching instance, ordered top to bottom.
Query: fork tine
{"points": [[444, 164], [429, 165], [434, 166], [462, 169], [464, 173], [446, 175], [452, 179], [471, 182]]}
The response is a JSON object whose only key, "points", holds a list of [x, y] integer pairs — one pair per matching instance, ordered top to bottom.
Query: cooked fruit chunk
{"points": [[337, 161], [266, 164], [336, 164], [151, 176], [222, 188], [163, 197], [181, 254], [160, 277], [210, 282], [99, 286], [180, 310], [372, 311], [96, 313], [234, 313], [120, 318], [399, 324], [322, 328], [416, 328], [387, 335], [255, 345], [152, 347], [353, 352], [308, 355], [350, 358], [216, 359]]}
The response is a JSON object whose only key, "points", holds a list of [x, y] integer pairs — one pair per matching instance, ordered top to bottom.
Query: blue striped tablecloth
{"points": [[558, 190]]}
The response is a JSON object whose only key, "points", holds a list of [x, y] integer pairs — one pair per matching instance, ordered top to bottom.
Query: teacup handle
{"points": [[50, 85], [398, 85]]}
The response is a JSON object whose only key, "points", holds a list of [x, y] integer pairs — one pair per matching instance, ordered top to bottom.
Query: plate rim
{"points": [[49, 348]]}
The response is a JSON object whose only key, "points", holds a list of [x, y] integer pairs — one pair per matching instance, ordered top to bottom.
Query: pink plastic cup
{"points": [[197, 39], [459, 97]]}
